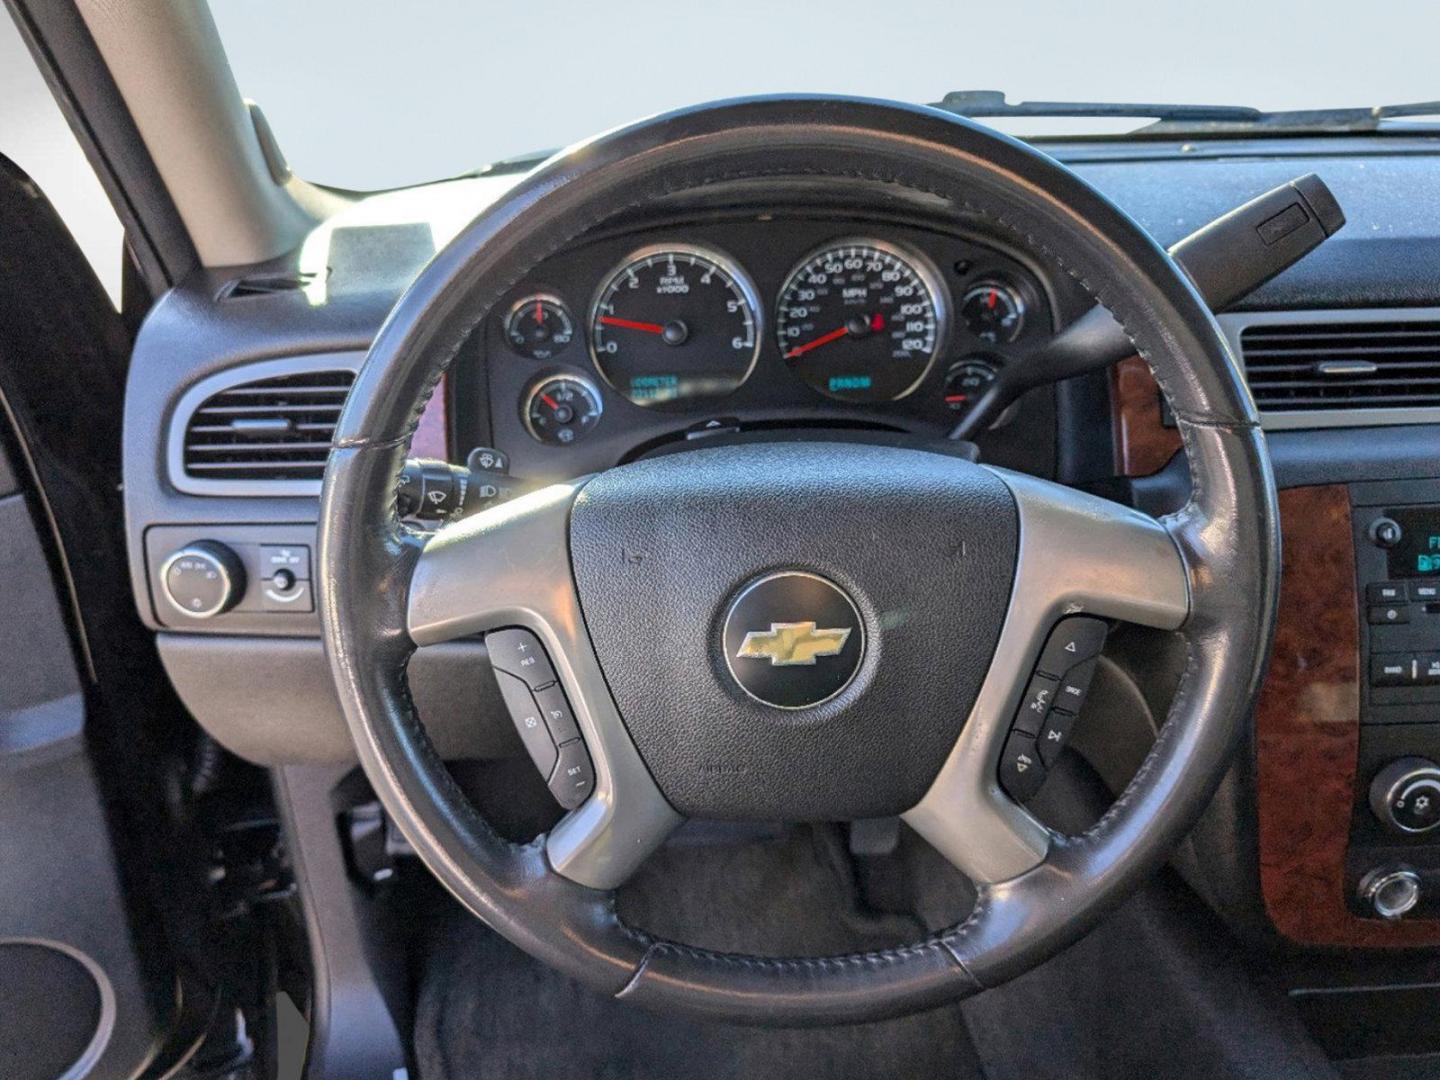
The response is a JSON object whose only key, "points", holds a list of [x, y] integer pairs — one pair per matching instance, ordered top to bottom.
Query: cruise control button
{"points": [[1385, 614], [1071, 642], [520, 653], [1392, 669], [1073, 688], [1039, 696], [556, 711], [528, 721], [1053, 736], [1021, 772], [574, 777]]}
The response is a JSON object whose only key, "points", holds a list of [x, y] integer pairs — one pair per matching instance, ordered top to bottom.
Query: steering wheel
{"points": [[937, 581]]}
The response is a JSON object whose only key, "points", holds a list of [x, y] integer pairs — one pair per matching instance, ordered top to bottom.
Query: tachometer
{"points": [[861, 320], [674, 323]]}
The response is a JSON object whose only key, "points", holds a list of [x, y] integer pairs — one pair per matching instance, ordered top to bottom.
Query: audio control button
{"points": [[1386, 532], [1386, 592], [1389, 614], [1393, 669]]}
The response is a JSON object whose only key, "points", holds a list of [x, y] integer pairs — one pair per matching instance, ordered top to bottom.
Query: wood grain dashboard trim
{"points": [[1143, 444], [1307, 735]]}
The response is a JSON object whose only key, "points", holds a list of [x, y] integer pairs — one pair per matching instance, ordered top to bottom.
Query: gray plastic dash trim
{"points": [[1236, 324], [221, 381], [1078, 553], [510, 566]]}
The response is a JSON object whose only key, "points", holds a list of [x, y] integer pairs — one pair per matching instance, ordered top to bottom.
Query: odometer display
{"points": [[861, 320], [675, 323]]}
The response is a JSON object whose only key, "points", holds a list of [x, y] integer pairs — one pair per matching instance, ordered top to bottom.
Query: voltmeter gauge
{"points": [[539, 327], [966, 381], [562, 409]]}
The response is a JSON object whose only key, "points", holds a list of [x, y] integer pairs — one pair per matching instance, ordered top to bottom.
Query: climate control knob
{"points": [[203, 579], [1405, 795]]}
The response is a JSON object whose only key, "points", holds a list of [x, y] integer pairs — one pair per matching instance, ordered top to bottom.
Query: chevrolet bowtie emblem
{"points": [[790, 643]]}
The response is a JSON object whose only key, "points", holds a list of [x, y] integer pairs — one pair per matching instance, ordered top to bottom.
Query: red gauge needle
{"points": [[992, 299], [540, 312], [631, 324], [823, 339], [548, 400]]}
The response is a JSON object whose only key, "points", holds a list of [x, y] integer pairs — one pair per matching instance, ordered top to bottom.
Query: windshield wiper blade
{"points": [[1172, 119]]}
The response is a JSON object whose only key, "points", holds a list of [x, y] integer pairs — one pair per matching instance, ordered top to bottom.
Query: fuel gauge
{"points": [[539, 327], [561, 409]]}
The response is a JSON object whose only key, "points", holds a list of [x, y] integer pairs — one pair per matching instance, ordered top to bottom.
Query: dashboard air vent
{"points": [[1343, 365], [271, 429]]}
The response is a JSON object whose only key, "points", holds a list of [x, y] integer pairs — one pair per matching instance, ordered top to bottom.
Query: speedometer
{"points": [[862, 320], [674, 323]]}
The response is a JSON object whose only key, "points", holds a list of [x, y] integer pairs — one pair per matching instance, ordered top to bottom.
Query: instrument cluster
{"points": [[761, 320]]}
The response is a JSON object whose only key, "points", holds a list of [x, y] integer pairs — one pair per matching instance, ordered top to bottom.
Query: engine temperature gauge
{"points": [[539, 326], [562, 409]]}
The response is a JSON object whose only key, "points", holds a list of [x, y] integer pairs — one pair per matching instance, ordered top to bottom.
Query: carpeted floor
{"points": [[1156, 991]]}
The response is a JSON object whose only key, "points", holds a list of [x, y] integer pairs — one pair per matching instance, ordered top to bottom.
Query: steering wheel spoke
{"points": [[1079, 556], [510, 567]]}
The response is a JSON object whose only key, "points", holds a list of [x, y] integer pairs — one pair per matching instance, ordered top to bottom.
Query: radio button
{"points": [[1386, 592], [1389, 614], [1072, 642], [1393, 669], [1039, 696], [1021, 772]]}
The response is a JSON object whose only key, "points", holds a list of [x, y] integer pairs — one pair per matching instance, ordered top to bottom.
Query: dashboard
{"points": [[779, 312]]}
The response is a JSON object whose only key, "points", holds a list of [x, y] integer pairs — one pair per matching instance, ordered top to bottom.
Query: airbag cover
{"points": [[923, 544]]}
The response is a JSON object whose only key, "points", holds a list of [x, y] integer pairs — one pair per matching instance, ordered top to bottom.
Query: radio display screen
{"points": [[1418, 553]]}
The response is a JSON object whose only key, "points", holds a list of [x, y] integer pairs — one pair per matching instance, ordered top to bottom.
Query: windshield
{"points": [[366, 94]]}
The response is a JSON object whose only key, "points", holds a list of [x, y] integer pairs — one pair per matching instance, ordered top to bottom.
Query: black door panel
{"points": [[86, 987]]}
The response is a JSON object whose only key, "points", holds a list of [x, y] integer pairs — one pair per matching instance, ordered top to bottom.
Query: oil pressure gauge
{"points": [[539, 326], [562, 409]]}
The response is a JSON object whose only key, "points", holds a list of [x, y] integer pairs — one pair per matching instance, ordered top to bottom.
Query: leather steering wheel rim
{"points": [[1226, 541]]}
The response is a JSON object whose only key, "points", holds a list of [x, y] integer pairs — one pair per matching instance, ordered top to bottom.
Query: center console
{"points": [[1347, 730], [1393, 861]]}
